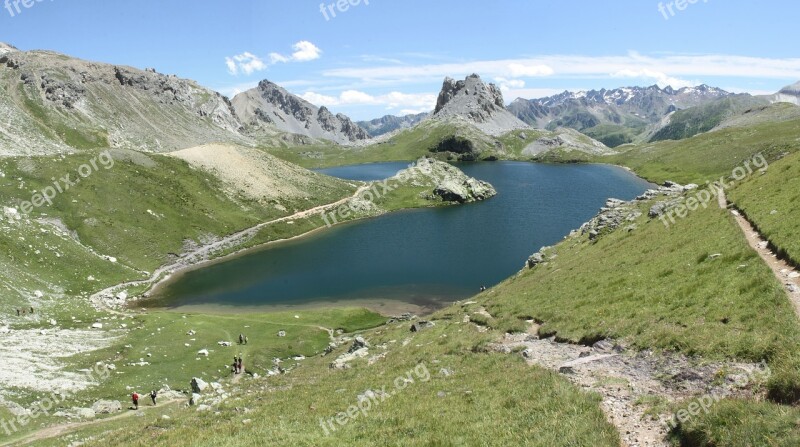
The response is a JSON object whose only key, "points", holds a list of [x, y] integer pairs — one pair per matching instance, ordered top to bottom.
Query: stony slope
{"points": [[53, 103], [269, 106]]}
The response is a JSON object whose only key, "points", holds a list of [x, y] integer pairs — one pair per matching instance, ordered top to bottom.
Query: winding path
{"points": [[786, 274], [64, 429]]}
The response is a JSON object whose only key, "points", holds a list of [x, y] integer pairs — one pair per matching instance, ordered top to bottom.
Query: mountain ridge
{"points": [[273, 106]]}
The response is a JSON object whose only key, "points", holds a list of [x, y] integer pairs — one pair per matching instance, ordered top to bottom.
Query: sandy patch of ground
{"points": [[250, 172]]}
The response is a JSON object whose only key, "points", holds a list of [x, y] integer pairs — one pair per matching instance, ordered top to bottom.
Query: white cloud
{"points": [[304, 51], [274, 58], [246, 63], [668, 67], [529, 71], [662, 80], [509, 84], [320, 100], [392, 100], [414, 111]]}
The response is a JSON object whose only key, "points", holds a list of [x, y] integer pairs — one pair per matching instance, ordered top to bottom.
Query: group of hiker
{"points": [[24, 311], [238, 365], [238, 368], [135, 398]]}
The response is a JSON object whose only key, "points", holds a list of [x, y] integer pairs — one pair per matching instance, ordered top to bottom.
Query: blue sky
{"points": [[390, 56]]}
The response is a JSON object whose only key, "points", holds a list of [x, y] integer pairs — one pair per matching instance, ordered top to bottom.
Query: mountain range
{"points": [[56, 104]]}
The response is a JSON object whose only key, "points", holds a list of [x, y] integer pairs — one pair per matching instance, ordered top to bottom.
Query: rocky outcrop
{"points": [[478, 103], [273, 107], [567, 140], [449, 184], [464, 190], [617, 213]]}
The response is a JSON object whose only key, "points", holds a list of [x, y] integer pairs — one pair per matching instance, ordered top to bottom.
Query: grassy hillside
{"points": [[690, 122], [406, 145], [708, 156], [772, 201], [145, 207], [658, 288], [451, 392]]}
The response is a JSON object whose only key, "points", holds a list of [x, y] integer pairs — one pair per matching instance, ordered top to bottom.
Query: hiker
{"points": [[31, 309], [17, 312], [241, 339], [246, 339], [241, 365], [153, 396], [135, 399]]}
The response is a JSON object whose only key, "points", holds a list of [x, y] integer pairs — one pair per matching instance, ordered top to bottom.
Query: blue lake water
{"points": [[414, 260]]}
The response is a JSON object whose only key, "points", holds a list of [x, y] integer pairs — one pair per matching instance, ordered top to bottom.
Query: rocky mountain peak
{"points": [[6, 48], [472, 87], [793, 89], [480, 103], [271, 106]]}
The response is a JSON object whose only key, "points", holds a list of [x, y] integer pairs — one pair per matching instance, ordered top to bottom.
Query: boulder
{"points": [[535, 259], [416, 327], [358, 343], [198, 385], [106, 406], [85, 413]]}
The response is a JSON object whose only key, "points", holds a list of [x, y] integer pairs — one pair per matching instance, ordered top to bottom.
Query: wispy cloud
{"points": [[304, 51], [247, 63], [662, 68], [662, 79], [392, 100]]}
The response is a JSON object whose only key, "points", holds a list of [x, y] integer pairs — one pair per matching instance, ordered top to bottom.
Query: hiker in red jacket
{"points": [[135, 399]]}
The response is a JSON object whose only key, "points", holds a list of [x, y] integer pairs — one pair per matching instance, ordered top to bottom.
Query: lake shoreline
{"points": [[178, 273]]}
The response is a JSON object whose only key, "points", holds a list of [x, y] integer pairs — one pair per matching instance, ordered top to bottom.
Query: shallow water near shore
{"points": [[416, 260]]}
